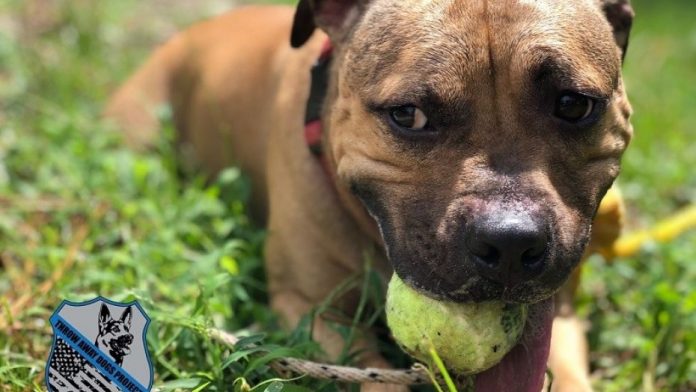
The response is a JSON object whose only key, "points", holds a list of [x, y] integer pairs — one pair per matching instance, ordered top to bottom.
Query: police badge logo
{"points": [[99, 345]]}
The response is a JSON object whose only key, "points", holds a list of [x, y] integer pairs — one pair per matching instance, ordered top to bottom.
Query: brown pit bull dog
{"points": [[468, 141]]}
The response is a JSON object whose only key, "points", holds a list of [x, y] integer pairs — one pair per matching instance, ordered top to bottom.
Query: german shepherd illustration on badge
{"points": [[114, 336], [99, 345]]}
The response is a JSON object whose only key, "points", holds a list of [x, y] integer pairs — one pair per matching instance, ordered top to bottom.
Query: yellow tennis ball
{"points": [[468, 337]]}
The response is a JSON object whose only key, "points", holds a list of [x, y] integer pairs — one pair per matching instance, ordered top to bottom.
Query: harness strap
{"points": [[317, 94]]}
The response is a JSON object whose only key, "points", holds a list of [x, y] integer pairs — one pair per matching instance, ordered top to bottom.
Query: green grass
{"points": [[80, 215]]}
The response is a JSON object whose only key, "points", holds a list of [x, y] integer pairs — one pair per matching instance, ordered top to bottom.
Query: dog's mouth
{"points": [[122, 344], [524, 367]]}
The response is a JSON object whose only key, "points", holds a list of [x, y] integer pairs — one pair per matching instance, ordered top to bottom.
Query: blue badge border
{"points": [[113, 303]]}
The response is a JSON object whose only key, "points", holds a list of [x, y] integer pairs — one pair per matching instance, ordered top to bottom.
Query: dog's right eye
{"points": [[408, 117]]}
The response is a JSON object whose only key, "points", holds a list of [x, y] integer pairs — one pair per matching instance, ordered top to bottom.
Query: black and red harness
{"points": [[317, 94]]}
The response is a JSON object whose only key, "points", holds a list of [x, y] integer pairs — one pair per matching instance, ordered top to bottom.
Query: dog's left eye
{"points": [[573, 107], [408, 117]]}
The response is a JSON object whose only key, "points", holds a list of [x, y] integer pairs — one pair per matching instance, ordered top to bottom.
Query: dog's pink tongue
{"points": [[524, 367]]}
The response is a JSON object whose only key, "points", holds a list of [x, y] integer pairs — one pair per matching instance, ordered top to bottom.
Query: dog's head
{"points": [[480, 135], [114, 335]]}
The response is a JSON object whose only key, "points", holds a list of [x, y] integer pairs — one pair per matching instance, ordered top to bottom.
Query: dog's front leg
{"points": [[301, 278], [292, 306], [568, 358]]}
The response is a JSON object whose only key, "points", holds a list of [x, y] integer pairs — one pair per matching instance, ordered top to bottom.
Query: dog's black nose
{"points": [[508, 247], [126, 339]]}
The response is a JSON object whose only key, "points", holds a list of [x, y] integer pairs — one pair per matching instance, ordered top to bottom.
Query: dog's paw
{"points": [[376, 387]]}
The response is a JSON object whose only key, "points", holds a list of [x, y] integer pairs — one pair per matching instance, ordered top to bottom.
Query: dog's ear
{"points": [[620, 15], [335, 17], [302, 25], [104, 315], [127, 317]]}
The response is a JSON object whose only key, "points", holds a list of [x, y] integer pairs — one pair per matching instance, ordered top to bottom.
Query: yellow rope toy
{"points": [[608, 241]]}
